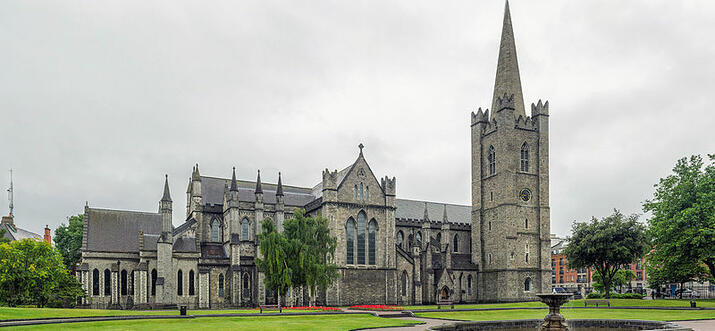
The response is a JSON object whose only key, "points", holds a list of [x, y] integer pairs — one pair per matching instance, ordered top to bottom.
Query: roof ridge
{"points": [[125, 210]]}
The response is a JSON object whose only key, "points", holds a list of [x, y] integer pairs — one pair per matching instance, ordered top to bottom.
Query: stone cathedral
{"points": [[390, 250]]}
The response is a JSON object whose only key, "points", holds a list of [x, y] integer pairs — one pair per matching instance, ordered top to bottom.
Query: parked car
{"points": [[559, 290]]}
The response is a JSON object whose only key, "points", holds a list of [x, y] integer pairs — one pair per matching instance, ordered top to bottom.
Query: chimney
{"points": [[48, 237]]}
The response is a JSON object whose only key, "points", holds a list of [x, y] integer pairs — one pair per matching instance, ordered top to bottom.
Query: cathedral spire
{"points": [[507, 79], [234, 185], [259, 187], [279, 190], [166, 197]]}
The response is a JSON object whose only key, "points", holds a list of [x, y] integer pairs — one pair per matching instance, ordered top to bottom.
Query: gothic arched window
{"points": [[525, 157], [492, 158], [355, 192], [362, 192], [367, 192], [361, 222], [526, 223], [372, 228], [244, 229], [214, 230], [418, 237], [400, 238], [439, 238], [349, 241], [456, 243], [526, 257], [490, 258], [95, 282], [107, 282], [124, 282], [153, 282], [191, 282], [131, 283], [179, 283], [404, 283], [469, 284], [527, 284], [220, 285], [246, 285]]}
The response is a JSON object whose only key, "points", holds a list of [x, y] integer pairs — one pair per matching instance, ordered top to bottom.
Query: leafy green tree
{"points": [[683, 223], [2, 237], [68, 240], [607, 244], [275, 249], [673, 270], [31, 272], [621, 278]]}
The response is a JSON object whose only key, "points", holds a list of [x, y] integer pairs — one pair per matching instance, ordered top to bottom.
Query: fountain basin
{"points": [[574, 325]]}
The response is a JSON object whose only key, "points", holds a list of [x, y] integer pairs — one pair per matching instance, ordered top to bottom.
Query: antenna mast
{"points": [[10, 194]]}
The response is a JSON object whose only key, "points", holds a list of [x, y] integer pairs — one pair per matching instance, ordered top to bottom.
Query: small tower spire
{"points": [[508, 80], [195, 175], [234, 184], [259, 187], [279, 190], [10, 195], [166, 196], [444, 215], [426, 217]]}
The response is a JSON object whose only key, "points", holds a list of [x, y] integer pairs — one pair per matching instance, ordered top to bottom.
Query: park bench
{"points": [[596, 302], [441, 303], [271, 307]]}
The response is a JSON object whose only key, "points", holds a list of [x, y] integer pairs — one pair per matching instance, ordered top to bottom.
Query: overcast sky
{"points": [[99, 99]]}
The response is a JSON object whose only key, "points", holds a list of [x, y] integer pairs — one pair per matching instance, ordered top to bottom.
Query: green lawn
{"points": [[579, 303], [25, 313], [641, 314], [319, 322]]}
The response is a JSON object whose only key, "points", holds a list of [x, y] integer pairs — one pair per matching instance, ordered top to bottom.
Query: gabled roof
{"points": [[415, 209], [118, 230], [14, 233]]}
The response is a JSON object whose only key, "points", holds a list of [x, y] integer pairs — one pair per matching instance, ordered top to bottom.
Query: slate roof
{"points": [[212, 191], [415, 209], [183, 227], [118, 230], [14, 233], [150, 241], [185, 245], [462, 262]]}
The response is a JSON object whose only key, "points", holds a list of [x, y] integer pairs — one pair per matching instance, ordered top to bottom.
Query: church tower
{"points": [[510, 187]]}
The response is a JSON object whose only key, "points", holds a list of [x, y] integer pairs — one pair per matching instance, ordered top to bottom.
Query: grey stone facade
{"points": [[390, 250]]}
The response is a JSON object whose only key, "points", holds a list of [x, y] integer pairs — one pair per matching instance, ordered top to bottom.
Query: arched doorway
{"points": [[444, 294]]}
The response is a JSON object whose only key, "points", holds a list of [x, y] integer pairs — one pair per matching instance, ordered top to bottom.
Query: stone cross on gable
{"points": [[361, 146]]}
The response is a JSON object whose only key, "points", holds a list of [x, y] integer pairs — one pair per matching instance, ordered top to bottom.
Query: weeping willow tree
{"points": [[275, 260]]}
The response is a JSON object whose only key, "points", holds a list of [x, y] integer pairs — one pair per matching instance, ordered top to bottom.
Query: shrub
{"points": [[594, 295]]}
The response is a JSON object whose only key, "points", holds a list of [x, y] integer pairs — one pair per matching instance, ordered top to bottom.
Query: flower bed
{"points": [[376, 307], [313, 308]]}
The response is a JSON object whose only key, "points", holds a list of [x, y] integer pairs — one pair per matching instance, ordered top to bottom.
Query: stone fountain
{"points": [[554, 320]]}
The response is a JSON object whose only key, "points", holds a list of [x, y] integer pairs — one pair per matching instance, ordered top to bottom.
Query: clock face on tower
{"points": [[525, 195]]}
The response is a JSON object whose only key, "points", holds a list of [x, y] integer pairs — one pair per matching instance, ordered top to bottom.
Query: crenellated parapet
{"points": [[540, 109], [480, 116], [388, 185]]}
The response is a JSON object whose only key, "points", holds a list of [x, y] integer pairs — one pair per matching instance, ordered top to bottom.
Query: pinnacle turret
{"points": [[508, 80], [195, 175], [234, 184], [259, 187], [279, 189], [166, 197], [444, 214], [426, 217]]}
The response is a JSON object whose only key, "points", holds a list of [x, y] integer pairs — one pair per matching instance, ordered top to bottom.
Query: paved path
{"points": [[703, 325]]}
